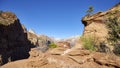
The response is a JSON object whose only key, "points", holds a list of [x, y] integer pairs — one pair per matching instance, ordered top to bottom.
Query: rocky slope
{"points": [[60, 58]]}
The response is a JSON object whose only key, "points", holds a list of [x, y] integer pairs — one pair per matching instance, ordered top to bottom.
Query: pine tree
{"points": [[90, 10]]}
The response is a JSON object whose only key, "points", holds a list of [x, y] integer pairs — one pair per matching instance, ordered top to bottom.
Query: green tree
{"points": [[90, 10]]}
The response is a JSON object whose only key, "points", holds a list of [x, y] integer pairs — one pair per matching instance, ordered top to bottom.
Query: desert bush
{"points": [[88, 43], [52, 45], [117, 49]]}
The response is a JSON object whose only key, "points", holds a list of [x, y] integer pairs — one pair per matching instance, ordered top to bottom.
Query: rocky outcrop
{"points": [[95, 24], [44, 40], [14, 44]]}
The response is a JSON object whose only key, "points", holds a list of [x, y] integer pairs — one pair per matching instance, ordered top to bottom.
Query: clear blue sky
{"points": [[56, 18]]}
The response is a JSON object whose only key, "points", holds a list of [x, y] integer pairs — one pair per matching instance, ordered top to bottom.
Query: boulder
{"points": [[57, 51]]}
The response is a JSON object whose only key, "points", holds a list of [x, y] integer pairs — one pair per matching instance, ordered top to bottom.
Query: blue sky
{"points": [[55, 18]]}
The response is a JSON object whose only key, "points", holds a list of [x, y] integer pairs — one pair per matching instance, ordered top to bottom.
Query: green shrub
{"points": [[88, 43], [52, 45]]}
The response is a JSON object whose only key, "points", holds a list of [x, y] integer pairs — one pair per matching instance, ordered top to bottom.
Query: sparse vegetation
{"points": [[113, 24], [114, 30], [88, 43], [52, 45]]}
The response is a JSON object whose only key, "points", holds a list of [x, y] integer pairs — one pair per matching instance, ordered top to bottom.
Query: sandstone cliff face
{"points": [[95, 24], [14, 44]]}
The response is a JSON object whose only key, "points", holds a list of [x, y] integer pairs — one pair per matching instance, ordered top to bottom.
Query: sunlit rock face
{"points": [[95, 24]]}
